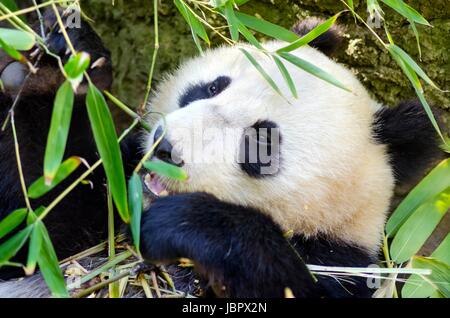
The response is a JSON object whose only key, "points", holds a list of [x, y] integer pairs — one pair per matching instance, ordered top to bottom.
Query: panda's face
{"points": [[239, 139]]}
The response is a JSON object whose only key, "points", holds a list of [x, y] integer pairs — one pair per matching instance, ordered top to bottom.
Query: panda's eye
{"points": [[212, 89], [204, 90]]}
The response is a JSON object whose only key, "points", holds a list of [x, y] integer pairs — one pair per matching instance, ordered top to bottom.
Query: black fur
{"points": [[327, 42], [204, 90], [410, 137], [259, 153], [79, 221], [243, 250]]}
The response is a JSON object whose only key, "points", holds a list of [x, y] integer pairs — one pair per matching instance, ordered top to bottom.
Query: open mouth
{"points": [[156, 185]]}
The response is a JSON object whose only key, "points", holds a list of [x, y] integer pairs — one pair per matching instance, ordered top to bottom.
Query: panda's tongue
{"points": [[154, 184]]}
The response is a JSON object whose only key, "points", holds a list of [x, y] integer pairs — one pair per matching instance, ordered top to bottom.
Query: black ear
{"points": [[327, 42], [411, 138]]}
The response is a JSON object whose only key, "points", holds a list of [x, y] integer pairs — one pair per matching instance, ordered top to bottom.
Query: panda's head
{"points": [[313, 163]]}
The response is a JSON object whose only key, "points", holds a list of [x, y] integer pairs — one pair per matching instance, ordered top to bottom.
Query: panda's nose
{"points": [[164, 150]]}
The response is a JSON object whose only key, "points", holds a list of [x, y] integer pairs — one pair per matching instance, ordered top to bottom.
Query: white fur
{"points": [[334, 178]]}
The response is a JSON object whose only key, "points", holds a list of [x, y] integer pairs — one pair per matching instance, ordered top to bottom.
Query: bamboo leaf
{"points": [[217, 3], [10, 4], [406, 11], [233, 22], [195, 24], [267, 28], [416, 34], [311, 35], [249, 36], [17, 39], [12, 52], [77, 64], [412, 64], [75, 68], [312, 69], [261, 71], [287, 77], [414, 79], [59, 131], [106, 139], [166, 170], [434, 183], [39, 187], [135, 199], [12, 221], [419, 226], [10, 248], [34, 248], [48, 264], [440, 273], [416, 286]]}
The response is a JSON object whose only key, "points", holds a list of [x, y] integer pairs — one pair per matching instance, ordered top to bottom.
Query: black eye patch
{"points": [[204, 90], [259, 153]]}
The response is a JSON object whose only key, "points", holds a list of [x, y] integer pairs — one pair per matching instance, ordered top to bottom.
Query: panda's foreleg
{"points": [[240, 250]]}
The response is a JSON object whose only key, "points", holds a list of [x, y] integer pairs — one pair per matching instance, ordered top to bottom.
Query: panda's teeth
{"points": [[154, 185]]}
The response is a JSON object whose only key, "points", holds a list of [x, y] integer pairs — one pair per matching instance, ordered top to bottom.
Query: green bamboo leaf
{"points": [[241, 2], [217, 3], [10, 4], [350, 4], [374, 9], [406, 11], [233, 22], [195, 24], [267, 28], [416, 34], [311, 35], [249, 36], [17, 39], [12, 52], [77, 64], [412, 64], [75, 68], [312, 69], [261, 71], [287, 77], [414, 79], [59, 131], [106, 139], [166, 170], [434, 183], [39, 187], [135, 199], [32, 217], [12, 221], [419, 226], [10, 248], [34, 248], [48, 264], [440, 273], [416, 286]]}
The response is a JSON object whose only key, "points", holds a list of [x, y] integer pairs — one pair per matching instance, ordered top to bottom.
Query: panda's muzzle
{"points": [[164, 151]]}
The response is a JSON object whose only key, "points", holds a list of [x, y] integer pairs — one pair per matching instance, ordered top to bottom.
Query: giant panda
{"points": [[248, 222]]}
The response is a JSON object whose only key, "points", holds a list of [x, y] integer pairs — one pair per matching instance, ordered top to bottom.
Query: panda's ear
{"points": [[327, 42], [410, 137]]}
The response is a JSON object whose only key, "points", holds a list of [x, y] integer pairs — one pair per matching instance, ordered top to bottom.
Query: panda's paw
{"points": [[82, 36], [82, 39], [47, 76], [163, 229]]}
